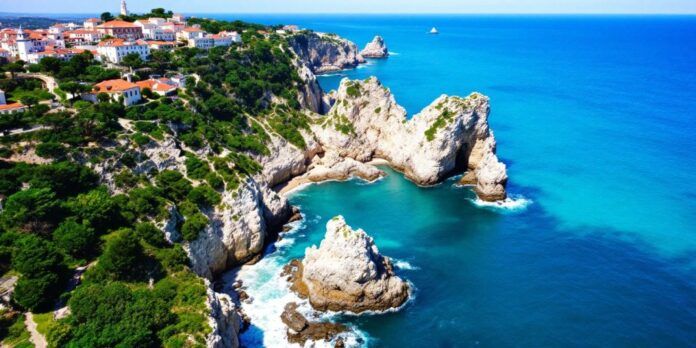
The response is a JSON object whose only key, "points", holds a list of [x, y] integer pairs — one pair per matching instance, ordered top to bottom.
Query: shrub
{"points": [[50, 150], [173, 185], [204, 196], [30, 210], [193, 225], [151, 234], [75, 239], [123, 256], [38, 292]]}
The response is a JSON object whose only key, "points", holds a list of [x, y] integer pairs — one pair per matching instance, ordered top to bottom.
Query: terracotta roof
{"points": [[93, 20], [117, 24], [192, 29], [82, 31], [120, 42], [151, 43], [158, 85], [113, 86], [11, 106]]}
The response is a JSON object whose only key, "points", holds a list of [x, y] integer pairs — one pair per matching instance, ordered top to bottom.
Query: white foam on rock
{"points": [[511, 204], [270, 292]]}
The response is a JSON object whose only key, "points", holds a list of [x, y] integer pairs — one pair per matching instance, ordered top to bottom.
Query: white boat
{"points": [[434, 31]]}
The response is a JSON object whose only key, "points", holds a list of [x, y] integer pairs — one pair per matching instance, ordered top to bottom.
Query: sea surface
{"points": [[595, 117]]}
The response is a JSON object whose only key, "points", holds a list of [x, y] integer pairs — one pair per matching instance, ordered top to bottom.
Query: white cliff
{"points": [[376, 48], [325, 52], [450, 134], [347, 273], [223, 320]]}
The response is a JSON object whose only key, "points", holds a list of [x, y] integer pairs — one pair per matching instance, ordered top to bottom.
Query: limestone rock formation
{"points": [[375, 48], [325, 52], [450, 134], [334, 167], [347, 273], [224, 320]]}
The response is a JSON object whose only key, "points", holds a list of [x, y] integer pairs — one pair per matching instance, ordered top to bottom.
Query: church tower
{"points": [[124, 8], [24, 45]]}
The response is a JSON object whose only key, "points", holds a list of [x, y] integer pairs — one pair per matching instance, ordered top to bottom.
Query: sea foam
{"points": [[511, 204], [269, 292]]}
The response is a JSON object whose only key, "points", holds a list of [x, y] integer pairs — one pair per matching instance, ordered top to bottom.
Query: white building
{"points": [[91, 23], [189, 33], [235, 36], [204, 43], [24, 45], [115, 49], [117, 89], [6, 108]]}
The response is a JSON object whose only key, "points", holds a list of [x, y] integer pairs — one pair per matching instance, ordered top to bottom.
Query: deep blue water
{"points": [[596, 119]]}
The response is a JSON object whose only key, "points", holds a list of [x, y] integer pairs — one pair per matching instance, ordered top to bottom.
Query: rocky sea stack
{"points": [[375, 49], [347, 273]]}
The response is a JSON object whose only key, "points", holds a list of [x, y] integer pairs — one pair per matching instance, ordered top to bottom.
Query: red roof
{"points": [[117, 24], [158, 85], [113, 86], [11, 106]]}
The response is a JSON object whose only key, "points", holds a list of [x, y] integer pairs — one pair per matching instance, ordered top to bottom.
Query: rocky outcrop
{"points": [[375, 48], [324, 53], [450, 134], [238, 228], [347, 273], [223, 320], [300, 330]]}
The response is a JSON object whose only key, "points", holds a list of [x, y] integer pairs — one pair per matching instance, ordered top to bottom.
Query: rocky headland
{"points": [[376, 48], [324, 53], [350, 131], [347, 273]]}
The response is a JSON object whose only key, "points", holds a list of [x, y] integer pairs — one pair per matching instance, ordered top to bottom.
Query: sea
{"points": [[595, 117]]}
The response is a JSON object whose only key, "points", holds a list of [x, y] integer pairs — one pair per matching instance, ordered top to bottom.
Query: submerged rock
{"points": [[375, 49], [347, 273], [301, 330]]}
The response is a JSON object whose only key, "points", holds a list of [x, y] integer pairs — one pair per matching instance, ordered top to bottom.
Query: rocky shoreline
{"points": [[351, 131]]}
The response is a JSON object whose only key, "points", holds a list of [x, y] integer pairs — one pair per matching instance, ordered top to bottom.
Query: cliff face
{"points": [[376, 48], [325, 52], [450, 134], [347, 273]]}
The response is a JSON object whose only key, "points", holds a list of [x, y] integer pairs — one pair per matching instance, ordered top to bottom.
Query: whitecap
{"points": [[391, 53], [510, 204], [404, 265]]}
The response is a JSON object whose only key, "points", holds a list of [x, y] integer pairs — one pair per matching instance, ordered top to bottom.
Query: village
{"points": [[115, 43]]}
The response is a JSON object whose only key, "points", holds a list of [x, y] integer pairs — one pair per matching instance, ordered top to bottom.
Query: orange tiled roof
{"points": [[93, 20], [117, 24], [192, 29], [158, 85], [113, 86], [11, 106]]}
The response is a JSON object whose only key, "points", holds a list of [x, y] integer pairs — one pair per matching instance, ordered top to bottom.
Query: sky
{"points": [[358, 6]]}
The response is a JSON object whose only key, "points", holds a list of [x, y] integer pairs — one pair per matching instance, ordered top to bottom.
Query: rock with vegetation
{"points": [[376, 48], [325, 52], [450, 134], [347, 273]]}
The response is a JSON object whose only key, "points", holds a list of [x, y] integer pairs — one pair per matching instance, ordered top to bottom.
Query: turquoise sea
{"points": [[595, 117]]}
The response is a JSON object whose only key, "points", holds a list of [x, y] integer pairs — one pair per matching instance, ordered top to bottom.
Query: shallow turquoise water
{"points": [[595, 117]]}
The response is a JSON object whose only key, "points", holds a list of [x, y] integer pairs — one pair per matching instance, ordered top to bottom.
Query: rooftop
{"points": [[117, 24], [113, 86]]}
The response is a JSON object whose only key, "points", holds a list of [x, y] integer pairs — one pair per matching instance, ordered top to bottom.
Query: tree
{"points": [[106, 16], [132, 60], [50, 65], [14, 67], [74, 88], [29, 100], [51, 150], [173, 185], [95, 207], [30, 210], [75, 238], [35, 256], [123, 256], [37, 293]]}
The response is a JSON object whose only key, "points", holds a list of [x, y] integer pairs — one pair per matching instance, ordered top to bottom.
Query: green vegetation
{"points": [[440, 122], [138, 290], [13, 331]]}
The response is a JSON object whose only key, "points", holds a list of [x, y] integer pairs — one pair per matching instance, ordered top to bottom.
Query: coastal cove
{"points": [[602, 256]]}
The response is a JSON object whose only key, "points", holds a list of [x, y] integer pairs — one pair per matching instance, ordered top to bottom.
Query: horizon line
{"points": [[389, 13]]}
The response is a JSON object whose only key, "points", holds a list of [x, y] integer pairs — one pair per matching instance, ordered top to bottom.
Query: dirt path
{"points": [[36, 338]]}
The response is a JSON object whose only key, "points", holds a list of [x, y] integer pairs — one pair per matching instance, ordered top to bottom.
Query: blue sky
{"points": [[358, 6]]}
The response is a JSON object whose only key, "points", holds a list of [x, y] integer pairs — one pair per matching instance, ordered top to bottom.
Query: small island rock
{"points": [[375, 49], [347, 273]]}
